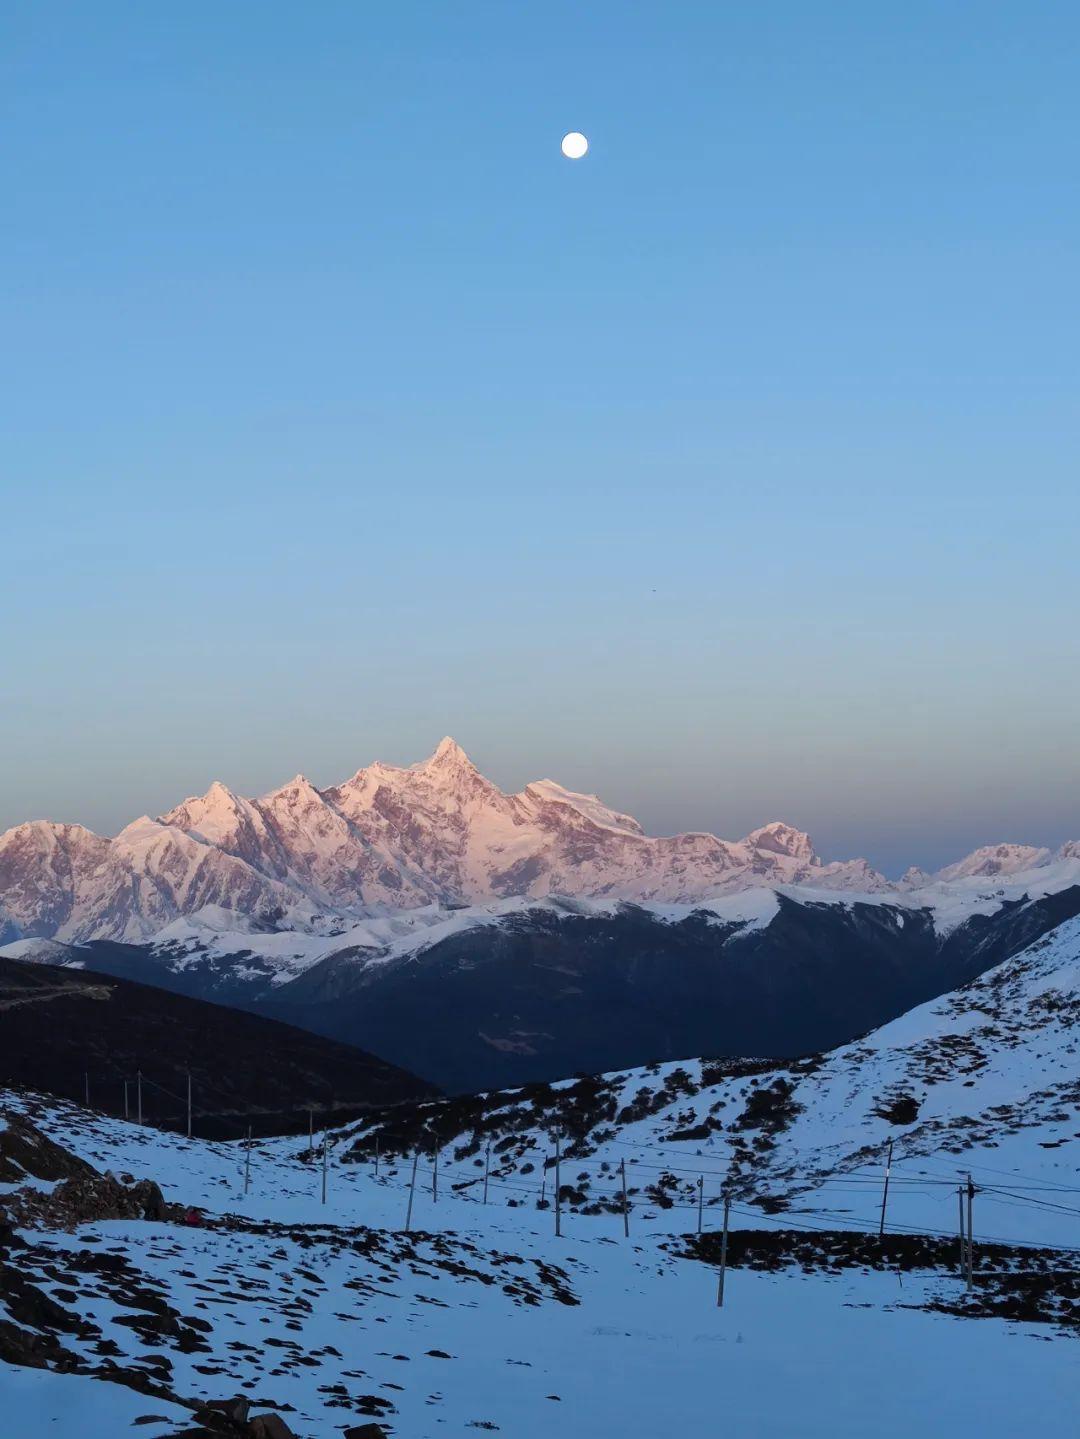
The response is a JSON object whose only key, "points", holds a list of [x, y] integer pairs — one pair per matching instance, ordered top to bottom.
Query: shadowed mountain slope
{"points": [[60, 1027]]}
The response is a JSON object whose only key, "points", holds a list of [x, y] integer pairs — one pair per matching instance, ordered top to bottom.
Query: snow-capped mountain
{"points": [[397, 838], [998, 859], [61, 881]]}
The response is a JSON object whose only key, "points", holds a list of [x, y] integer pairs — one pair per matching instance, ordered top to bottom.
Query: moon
{"points": [[574, 145]]}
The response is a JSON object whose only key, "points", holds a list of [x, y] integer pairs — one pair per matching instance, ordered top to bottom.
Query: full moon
{"points": [[574, 145]]}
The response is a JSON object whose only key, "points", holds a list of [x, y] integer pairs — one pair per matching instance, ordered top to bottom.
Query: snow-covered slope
{"points": [[985, 1079], [484, 1318]]}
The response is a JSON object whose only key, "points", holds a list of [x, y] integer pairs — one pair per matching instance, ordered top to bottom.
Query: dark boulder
{"points": [[234, 1409], [269, 1426]]}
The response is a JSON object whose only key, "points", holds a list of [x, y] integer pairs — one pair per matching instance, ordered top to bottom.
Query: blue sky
{"points": [[730, 472]]}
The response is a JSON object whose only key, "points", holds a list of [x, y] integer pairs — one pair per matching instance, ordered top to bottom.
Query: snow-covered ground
{"points": [[482, 1318], [38, 1402]]}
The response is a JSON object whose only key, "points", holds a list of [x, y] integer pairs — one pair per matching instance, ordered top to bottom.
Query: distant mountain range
{"points": [[393, 839], [479, 939]]}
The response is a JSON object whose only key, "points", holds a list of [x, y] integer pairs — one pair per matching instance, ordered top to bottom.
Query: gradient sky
{"points": [[730, 472]]}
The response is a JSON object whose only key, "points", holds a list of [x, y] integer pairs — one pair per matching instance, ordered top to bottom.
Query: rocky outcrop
{"points": [[26, 1153], [89, 1198]]}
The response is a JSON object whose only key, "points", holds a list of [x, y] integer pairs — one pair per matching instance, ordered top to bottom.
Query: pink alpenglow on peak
{"points": [[447, 754], [781, 838], [394, 839], [995, 859]]}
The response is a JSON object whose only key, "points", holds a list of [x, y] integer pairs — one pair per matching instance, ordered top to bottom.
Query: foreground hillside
{"points": [[75, 1033], [986, 1079], [320, 1307], [331, 1317]]}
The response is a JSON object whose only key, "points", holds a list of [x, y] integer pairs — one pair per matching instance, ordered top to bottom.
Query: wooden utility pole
{"points": [[138, 1085], [189, 1104], [325, 1146], [247, 1163], [487, 1168], [558, 1186], [412, 1191], [885, 1191], [700, 1199], [625, 1207], [970, 1233], [963, 1241], [723, 1254]]}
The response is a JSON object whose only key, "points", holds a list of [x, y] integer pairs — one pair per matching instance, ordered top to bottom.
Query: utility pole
{"points": [[138, 1083], [189, 1104], [127, 1114], [324, 1149], [247, 1163], [487, 1168], [558, 1186], [412, 1190], [885, 1191], [700, 1199], [625, 1209], [970, 1234], [963, 1241], [723, 1253]]}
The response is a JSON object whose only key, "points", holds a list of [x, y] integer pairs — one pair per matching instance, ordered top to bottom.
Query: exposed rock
{"points": [[27, 1153], [90, 1197], [234, 1409], [269, 1426]]}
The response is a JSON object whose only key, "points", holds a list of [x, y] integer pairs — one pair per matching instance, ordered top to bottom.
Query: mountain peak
{"points": [[447, 755], [299, 781], [299, 788], [213, 815], [777, 837], [995, 859], [914, 877]]}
